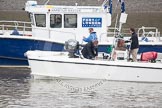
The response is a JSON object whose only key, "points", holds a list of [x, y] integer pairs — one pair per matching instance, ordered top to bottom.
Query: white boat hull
{"points": [[60, 66]]}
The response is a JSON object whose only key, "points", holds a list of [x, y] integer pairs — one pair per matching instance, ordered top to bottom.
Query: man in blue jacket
{"points": [[91, 37], [90, 50]]}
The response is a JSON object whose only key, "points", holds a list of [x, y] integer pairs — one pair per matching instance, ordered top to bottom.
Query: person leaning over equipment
{"points": [[91, 37], [134, 44], [90, 50]]}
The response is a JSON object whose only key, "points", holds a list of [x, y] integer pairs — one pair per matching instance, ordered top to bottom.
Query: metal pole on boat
{"points": [[105, 1], [46, 2], [123, 16], [116, 25], [3, 28], [24, 30], [114, 40]]}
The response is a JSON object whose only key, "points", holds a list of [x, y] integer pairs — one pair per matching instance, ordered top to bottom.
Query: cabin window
{"points": [[40, 20], [55, 20], [70, 21]]}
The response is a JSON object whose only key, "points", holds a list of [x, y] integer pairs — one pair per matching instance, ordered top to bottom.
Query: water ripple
{"points": [[25, 92]]}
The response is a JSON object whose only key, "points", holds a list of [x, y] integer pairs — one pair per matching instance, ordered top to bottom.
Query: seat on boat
{"points": [[15, 32], [120, 52], [120, 55]]}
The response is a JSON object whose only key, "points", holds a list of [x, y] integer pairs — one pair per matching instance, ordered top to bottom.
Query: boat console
{"points": [[72, 46]]}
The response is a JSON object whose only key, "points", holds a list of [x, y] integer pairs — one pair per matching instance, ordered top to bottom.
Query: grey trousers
{"points": [[133, 52]]}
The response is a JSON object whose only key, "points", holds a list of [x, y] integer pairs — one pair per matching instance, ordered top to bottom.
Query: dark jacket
{"points": [[134, 43], [89, 51]]}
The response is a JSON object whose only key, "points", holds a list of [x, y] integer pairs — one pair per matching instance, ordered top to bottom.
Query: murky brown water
{"points": [[19, 91]]}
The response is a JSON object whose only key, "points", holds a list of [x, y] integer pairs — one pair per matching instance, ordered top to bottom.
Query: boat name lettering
{"points": [[65, 10]]}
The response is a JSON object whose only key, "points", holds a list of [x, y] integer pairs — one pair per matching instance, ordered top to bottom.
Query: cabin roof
{"points": [[59, 8]]}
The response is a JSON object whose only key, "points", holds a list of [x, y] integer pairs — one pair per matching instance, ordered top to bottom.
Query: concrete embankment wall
{"points": [[131, 5], [140, 12]]}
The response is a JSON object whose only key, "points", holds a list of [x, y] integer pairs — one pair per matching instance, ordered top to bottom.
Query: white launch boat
{"points": [[60, 65]]}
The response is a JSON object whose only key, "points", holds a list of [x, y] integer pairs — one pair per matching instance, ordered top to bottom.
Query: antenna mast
{"points": [[46, 2]]}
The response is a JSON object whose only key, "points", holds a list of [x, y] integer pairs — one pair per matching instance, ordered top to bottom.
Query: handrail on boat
{"points": [[15, 21], [11, 25], [114, 31], [143, 31], [149, 31], [111, 32]]}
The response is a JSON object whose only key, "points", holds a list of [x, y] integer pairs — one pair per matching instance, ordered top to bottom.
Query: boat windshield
{"points": [[40, 20], [55, 20], [70, 20]]}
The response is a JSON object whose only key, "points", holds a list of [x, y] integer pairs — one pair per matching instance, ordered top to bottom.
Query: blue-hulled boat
{"points": [[12, 49]]}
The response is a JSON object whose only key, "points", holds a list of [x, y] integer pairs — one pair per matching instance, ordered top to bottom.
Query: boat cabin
{"points": [[67, 22]]}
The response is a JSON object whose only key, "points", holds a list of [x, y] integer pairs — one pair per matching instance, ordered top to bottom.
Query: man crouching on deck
{"points": [[90, 50]]}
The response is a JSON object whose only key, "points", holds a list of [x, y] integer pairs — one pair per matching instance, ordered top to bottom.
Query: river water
{"points": [[18, 89]]}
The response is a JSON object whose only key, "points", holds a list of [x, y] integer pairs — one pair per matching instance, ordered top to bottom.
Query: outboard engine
{"points": [[72, 46]]}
